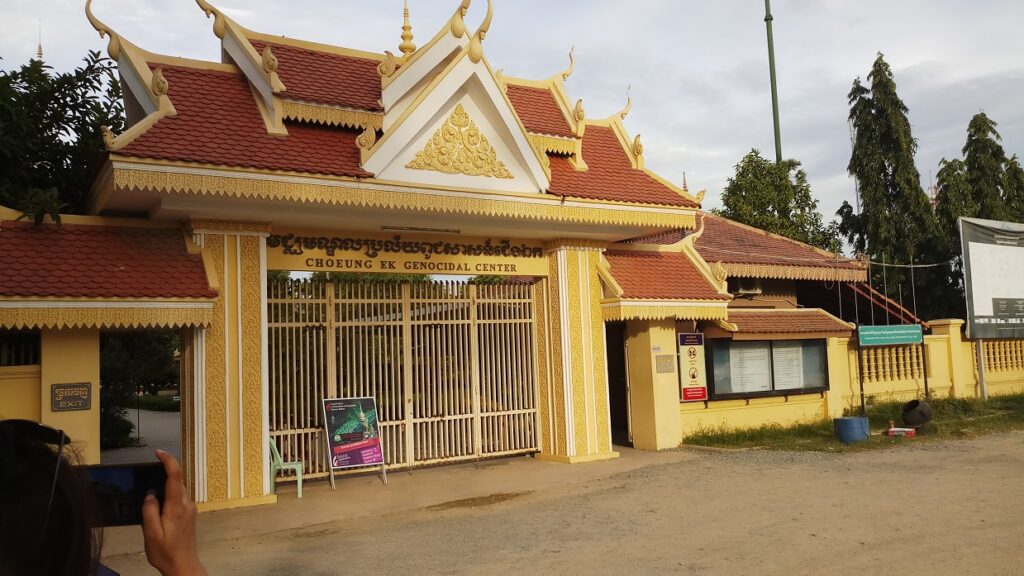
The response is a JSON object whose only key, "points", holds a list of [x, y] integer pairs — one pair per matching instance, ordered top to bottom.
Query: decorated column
{"points": [[574, 415], [231, 452]]}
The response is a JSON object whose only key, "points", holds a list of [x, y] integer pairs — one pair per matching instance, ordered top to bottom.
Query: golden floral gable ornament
{"points": [[459, 147]]}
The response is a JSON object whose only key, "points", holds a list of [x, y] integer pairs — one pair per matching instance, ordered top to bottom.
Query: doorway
{"points": [[618, 383]]}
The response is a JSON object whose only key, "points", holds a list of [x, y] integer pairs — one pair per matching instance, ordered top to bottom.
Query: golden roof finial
{"points": [[458, 23], [219, 25], [476, 43], [114, 44], [407, 47], [270, 62], [572, 65], [388, 66], [159, 83], [629, 104], [577, 112], [638, 147]]}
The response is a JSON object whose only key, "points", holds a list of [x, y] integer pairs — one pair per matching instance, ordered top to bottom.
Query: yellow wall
{"points": [[72, 357], [20, 392], [653, 397], [759, 411]]}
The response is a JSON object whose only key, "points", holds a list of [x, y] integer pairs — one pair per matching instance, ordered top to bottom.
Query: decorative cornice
{"points": [[331, 116], [554, 144], [458, 147], [339, 192], [205, 226], [783, 272], [663, 309], [105, 315]]}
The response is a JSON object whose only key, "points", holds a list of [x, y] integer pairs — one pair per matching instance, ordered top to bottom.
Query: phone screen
{"points": [[120, 490]]}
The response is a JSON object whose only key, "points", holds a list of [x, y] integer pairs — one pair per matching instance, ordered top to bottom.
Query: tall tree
{"points": [[50, 133], [984, 163], [1014, 189], [777, 198], [895, 220]]}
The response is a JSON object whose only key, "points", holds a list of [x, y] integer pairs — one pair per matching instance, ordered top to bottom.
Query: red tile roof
{"points": [[326, 78], [538, 110], [218, 123], [610, 176], [660, 238], [727, 241], [79, 261], [660, 276], [809, 320]]}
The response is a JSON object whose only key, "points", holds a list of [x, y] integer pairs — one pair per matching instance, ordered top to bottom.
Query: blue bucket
{"points": [[851, 429]]}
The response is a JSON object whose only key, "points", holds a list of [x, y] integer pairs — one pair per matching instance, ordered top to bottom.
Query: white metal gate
{"points": [[451, 364]]}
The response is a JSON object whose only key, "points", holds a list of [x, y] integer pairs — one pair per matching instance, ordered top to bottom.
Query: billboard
{"points": [[993, 257]]}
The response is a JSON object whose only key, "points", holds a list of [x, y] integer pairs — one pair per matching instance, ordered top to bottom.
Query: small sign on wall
{"points": [[693, 382], [71, 397]]}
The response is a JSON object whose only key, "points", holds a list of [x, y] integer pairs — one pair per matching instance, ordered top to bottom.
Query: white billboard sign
{"points": [[993, 256]]}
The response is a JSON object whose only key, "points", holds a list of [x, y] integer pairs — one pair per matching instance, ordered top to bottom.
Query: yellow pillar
{"points": [[72, 357], [960, 360], [842, 377], [653, 393], [575, 422], [231, 455]]}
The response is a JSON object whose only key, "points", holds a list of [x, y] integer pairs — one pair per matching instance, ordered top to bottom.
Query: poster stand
{"points": [[352, 437]]}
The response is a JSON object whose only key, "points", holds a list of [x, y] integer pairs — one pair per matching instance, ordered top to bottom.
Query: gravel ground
{"points": [[932, 508]]}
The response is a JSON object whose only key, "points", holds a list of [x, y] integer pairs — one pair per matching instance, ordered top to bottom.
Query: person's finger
{"points": [[175, 486], [152, 527]]}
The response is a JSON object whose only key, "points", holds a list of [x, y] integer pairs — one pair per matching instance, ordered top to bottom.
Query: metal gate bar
{"points": [[451, 364]]}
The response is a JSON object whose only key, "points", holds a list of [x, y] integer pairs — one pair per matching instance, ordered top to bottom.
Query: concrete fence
{"points": [[946, 365]]}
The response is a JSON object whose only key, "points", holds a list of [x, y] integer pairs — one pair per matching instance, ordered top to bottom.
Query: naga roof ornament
{"points": [[476, 43]]}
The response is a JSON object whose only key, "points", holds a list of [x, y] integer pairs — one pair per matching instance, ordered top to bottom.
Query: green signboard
{"points": [[895, 335]]}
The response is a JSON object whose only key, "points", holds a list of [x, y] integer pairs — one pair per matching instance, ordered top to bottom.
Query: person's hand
{"points": [[170, 534]]}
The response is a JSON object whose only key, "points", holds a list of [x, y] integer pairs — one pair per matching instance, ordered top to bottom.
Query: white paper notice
{"points": [[996, 272], [788, 365], [749, 367]]}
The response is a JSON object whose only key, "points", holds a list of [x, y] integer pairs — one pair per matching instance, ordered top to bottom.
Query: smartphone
{"points": [[121, 489]]}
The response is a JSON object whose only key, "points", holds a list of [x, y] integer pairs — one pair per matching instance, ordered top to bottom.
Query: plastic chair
{"points": [[278, 465]]}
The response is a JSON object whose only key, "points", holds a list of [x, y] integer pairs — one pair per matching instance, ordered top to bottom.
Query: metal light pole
{"points": [[771, 67]]}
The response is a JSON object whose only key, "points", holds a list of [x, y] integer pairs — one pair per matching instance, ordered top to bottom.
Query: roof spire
{"points": [[407, 47], [39, 48]]}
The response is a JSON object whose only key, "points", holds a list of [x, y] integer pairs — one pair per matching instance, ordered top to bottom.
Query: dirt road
{"points": [[931, 508]]}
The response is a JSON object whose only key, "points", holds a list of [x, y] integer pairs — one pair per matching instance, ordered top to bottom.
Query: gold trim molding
{"points": [[331, 116], [554, 145], [458, 147], [312, 193], [202, 226], [776, 272], [640, 310], [105, 318]]}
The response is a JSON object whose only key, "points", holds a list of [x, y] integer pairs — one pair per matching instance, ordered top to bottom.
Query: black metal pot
{"points": [[916, 413]]}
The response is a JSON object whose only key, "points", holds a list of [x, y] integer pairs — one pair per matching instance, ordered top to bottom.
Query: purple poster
{"points": [[352, 432]]}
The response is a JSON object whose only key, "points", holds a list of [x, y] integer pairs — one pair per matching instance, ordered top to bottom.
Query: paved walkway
{"points": [[158, 430], [923, 508]]}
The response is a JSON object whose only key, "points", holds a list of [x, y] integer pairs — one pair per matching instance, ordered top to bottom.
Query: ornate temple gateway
{"points": [[295, 156]]}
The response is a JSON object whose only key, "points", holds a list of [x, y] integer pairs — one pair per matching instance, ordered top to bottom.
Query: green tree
{"points": [[50, 133], [984, 164], [1014, 189], [776, 198], [895, 220], [131, 362]]}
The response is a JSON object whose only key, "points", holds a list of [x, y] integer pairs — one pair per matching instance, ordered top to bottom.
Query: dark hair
{"points": [[36, 537]]}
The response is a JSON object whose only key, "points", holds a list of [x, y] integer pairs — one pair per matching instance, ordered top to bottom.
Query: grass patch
{"points": [[155, 403], [952, 418]]}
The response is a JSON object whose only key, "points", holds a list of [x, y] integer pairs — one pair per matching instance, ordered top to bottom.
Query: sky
{"points": [[698, 70]]}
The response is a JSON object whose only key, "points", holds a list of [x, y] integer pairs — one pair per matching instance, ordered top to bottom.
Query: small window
{"points": [[19, 348], [767, 368]]}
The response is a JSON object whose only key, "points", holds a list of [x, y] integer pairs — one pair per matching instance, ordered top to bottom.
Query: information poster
{"points": [[993, 278], [788, 364], [693, 380], [353, 434]]}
